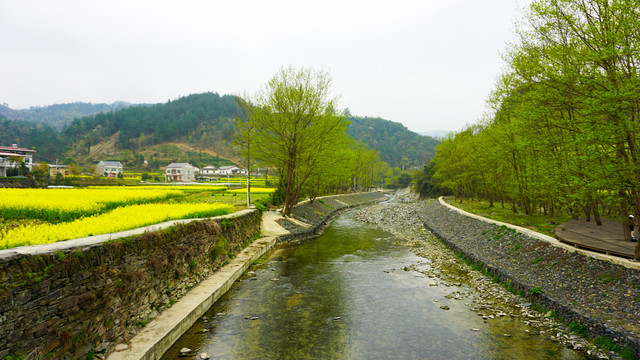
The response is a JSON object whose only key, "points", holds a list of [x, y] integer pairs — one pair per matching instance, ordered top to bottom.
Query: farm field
{"points": [[38, 216]]}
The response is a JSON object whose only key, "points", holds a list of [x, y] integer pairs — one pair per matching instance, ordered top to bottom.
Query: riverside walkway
{"points": [[606, 238]]}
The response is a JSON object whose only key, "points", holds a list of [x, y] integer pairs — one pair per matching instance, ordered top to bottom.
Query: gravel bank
{"points": [[602, 296]]}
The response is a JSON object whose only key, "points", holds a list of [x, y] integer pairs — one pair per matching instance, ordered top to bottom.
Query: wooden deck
{"points": [[607, 238]]}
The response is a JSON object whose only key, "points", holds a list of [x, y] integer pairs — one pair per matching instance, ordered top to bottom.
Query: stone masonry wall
{"points": [[314, 215], [601, 296], [70, 305]]}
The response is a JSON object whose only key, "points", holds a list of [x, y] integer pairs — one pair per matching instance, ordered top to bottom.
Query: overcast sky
{"points": [[429, 64]]}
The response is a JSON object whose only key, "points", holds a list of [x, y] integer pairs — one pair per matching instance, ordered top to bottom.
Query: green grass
{"points": [[239, 200], [537, 222], [578, 328]]}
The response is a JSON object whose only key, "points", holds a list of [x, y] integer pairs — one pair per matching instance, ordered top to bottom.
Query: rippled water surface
{"points": [[345, 295]]}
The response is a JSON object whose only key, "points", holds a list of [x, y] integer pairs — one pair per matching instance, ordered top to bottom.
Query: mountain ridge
{"points": [[203, 123]]}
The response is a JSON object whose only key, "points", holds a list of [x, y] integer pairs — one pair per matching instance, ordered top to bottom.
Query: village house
{"points": [[12, 156], [109, 168], [59, 169], [227, 170], [208, 171], [180, 172]]}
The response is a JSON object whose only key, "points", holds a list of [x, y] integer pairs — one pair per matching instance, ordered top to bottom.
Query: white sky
{"points": [[428, 64]]}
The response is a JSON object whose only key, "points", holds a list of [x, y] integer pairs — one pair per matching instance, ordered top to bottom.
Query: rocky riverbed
{"points": [[404, 216]]}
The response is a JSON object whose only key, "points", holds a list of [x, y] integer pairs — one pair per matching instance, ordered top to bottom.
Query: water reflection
{"points": [[346, 295]]}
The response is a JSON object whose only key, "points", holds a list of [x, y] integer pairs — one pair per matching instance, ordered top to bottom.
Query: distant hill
{"points": [[59, 115], [197, 128], [44, 139], [398, 146]]}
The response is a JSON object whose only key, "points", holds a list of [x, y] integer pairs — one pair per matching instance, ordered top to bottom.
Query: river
{"points": [[356, 292]]}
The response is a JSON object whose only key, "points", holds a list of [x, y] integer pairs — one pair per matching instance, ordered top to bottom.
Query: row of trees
{"points": [[293, 124], [563, 132]]}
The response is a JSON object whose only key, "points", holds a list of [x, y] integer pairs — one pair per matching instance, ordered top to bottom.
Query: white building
{"points": [[12, 156], [109, 168], [208, 170], [227, 170], [180, 172]]}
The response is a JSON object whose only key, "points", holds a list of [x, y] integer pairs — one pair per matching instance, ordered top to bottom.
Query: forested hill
{"points": [[59, 115], [202, 119], [202, 122], [40, 137], [398, 146]]}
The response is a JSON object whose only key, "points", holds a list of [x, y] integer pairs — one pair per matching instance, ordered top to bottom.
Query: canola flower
{"points": [[254, 190], [69, 204], [120, 219]]}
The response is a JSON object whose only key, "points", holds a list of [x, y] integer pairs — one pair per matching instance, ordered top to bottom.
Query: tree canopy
{"points": [[299, 131], [563, 132]]}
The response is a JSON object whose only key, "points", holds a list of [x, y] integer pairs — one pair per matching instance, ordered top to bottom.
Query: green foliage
{"points": [[195, 115], [296, 128], [562, 134], [40, 137], [398, 146], [425, 185], [261, 205], [59, 255], [537, 260], [259, 261], [536, 290], [578, 328], [628, 354], [14, 356]]}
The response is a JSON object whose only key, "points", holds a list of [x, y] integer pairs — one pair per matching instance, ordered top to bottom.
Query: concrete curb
{"points": [[97, 239], [553, 241], [161, 333]]}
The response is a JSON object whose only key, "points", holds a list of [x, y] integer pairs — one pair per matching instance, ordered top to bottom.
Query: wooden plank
{"points": [[606, 238]]}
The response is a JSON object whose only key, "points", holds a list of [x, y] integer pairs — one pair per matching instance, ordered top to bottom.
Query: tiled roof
{"points": [[15, 148], [111, 163], [178, 165]]}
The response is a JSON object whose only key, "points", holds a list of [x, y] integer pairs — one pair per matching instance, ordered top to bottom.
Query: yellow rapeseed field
{"points": [[69, 204], [120, 219]]}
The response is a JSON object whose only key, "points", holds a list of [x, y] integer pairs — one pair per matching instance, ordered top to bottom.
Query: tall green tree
{"points": [[297, 124], [564, 129]]}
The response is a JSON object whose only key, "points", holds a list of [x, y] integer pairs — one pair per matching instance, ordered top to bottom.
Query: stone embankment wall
{"points": [[310, 217], [600, 298], [70, 304]]}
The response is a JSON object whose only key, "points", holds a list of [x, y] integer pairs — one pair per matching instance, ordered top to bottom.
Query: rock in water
{"points": [[186, 352]]}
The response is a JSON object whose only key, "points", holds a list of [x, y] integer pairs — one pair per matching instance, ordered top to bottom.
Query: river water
{"points": [[351, 294]]}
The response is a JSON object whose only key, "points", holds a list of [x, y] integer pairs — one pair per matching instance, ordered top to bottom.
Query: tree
{"points": [[565, 116], [296, 122], [244, 137]]}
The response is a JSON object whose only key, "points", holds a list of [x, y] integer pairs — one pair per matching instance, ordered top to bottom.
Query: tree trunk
{"points": [[624, 214], [596, 215]]}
